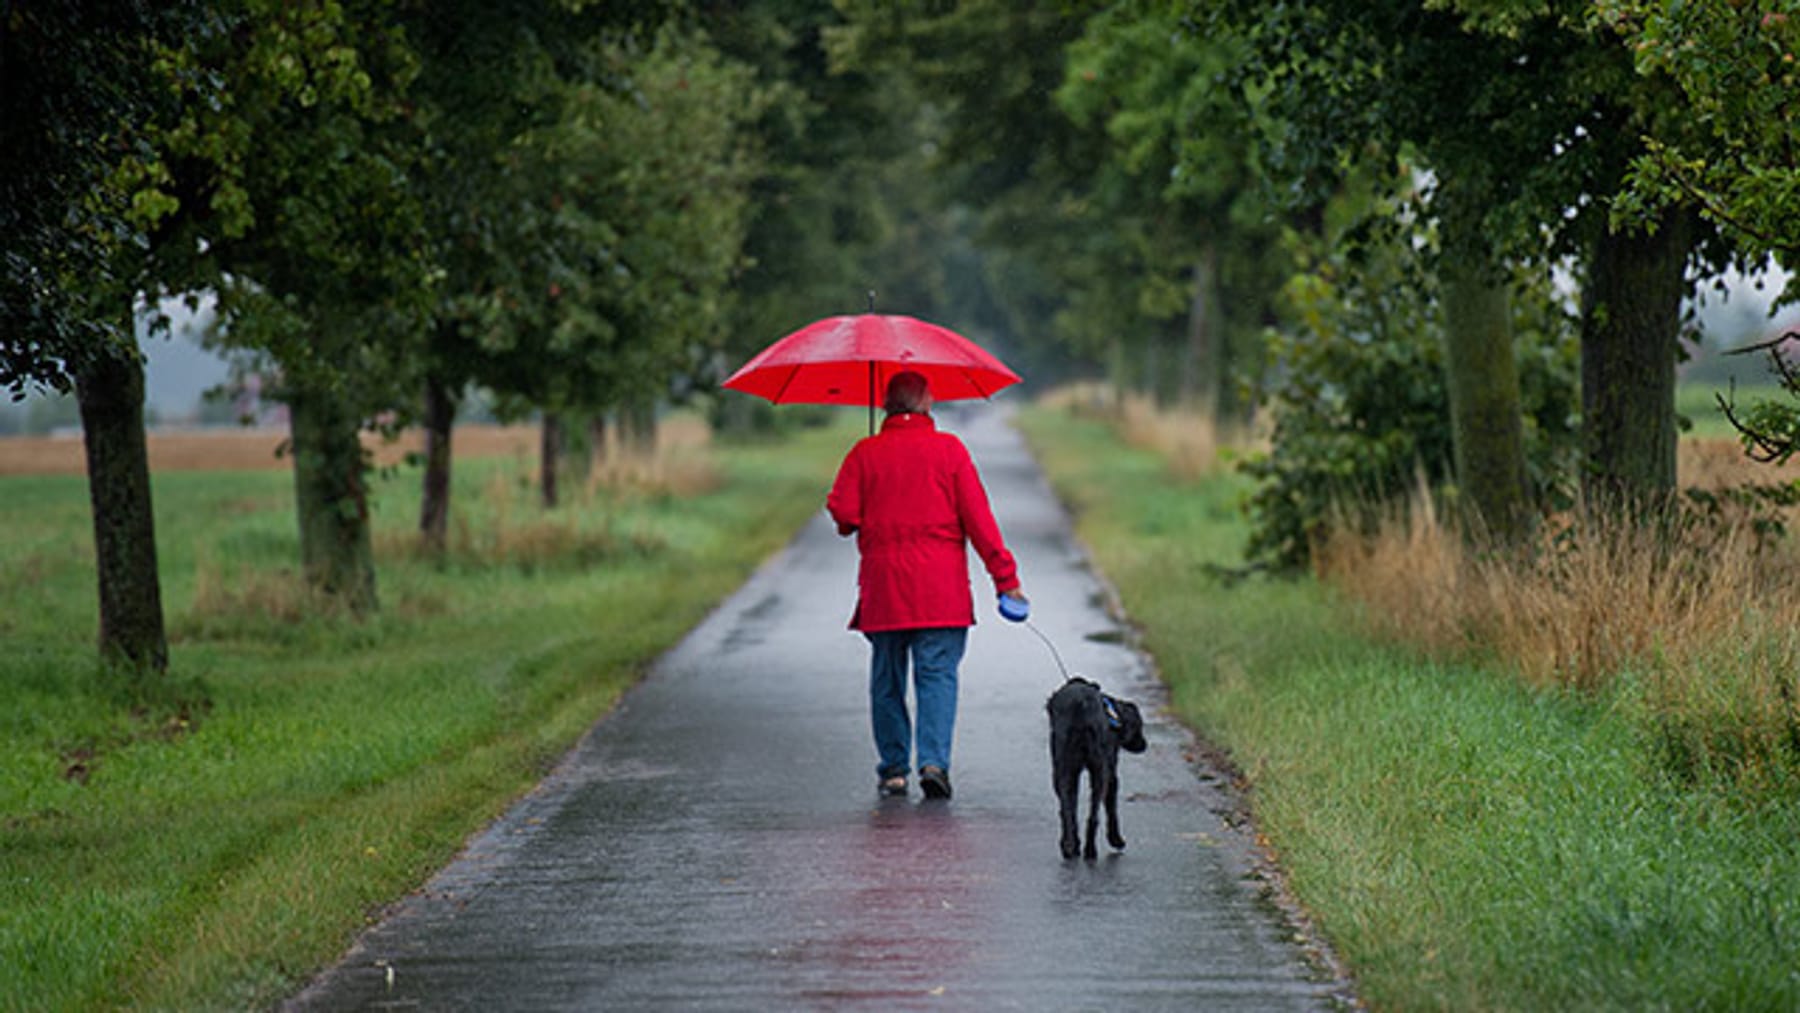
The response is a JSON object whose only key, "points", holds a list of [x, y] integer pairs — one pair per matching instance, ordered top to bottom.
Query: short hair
{"points": [[907, 392]]}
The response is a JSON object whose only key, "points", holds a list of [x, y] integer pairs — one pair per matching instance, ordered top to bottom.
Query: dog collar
{"points": [[1112, 712]]}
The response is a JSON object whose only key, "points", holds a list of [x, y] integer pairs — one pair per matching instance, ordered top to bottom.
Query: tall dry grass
{"points": [[1186, 437], [1719, 463], [681, 464], [507, 524], [1407, 576], [224, 595], [1582, 606], [1694, 624]]}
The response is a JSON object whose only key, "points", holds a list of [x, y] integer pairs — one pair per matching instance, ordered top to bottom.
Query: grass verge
{"points": [[1464, 841], [208, 843]]}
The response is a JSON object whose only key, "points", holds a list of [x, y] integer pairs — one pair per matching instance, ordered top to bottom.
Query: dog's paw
{"points": [[1117, 840], [1070, 848], [1090, 852]]}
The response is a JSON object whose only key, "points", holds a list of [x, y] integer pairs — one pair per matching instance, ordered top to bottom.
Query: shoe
{"points": [[935, 782], [892, 787]]}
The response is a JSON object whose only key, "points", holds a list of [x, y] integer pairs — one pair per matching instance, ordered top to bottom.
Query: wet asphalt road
{"points": [[716, 842]]}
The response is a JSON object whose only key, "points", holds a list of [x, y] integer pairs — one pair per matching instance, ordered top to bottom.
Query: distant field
{"points": [[1698, 403], [245, 449], [1710, 455]]}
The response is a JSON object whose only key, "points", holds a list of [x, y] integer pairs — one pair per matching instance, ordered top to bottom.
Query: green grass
{"points": [[1697, 402], [235, 827], [1463, 842]]}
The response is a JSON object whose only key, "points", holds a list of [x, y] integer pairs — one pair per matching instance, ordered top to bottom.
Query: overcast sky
{"points": [[177, 370]]}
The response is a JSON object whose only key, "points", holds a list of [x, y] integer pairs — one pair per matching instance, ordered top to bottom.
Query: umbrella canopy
{"points": [[848, 360]]}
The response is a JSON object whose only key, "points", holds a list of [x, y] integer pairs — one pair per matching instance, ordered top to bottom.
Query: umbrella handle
{"points": [[871, 374]]}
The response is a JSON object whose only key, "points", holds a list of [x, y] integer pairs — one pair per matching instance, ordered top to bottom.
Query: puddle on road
{"points": [[752, 624]]}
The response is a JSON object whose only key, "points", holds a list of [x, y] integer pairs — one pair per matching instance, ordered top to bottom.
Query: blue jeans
{"points": [[934, 653]]}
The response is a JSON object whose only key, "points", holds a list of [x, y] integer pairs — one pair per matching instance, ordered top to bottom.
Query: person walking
{"points": [[913, 499]]}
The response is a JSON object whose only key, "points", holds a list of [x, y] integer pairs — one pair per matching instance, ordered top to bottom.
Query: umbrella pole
{"points": [[871, 375]]}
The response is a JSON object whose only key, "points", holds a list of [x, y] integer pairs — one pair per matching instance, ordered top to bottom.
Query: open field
{"points": [[1699, 404], [246, 449]]}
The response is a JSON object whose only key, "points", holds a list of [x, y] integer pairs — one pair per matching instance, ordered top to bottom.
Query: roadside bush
{"points": [[1361, 412]]}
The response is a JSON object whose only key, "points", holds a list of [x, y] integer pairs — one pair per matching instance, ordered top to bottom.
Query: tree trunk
{"points": [[1630, 323], [1210, 334], [1202, 371], [1118, 373], [1156, 379], [110, 391], [1233, 411], [740, 413], [637, 427], [1487, 429], [597, 442], [577, 454], [549, 456], [331, 494], [434, 503]]}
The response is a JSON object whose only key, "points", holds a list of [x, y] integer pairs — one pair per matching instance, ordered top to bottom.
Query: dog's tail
{"points": [[1084, 718]]}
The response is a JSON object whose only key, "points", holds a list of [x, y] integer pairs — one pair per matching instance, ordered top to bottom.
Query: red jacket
{"points": [[913, 498]]}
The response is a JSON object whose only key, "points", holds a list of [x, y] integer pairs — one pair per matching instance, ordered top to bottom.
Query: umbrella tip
{"points": [[871, 300]]}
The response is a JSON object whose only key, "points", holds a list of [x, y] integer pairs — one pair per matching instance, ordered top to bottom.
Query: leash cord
{"points": [[1053, 652]]}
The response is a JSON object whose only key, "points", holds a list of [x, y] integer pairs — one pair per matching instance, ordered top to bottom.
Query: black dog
{"points": [[1087, 730]]}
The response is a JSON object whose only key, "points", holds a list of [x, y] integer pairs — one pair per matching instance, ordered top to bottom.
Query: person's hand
{"points": [[844, 528], [1014, 606]]}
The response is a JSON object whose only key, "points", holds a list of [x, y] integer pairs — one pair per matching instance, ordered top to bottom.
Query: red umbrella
{"points": [[849, 360]]}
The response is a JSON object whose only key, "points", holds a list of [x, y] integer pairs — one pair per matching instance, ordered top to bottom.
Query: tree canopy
{"points": [[586, 207]]}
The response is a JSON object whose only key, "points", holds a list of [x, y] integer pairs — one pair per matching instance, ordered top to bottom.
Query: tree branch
{"points": [[1711, 204], [1762, 446]]}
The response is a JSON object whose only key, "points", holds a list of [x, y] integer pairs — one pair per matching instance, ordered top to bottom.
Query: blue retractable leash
{"points": [[1014, 610]]}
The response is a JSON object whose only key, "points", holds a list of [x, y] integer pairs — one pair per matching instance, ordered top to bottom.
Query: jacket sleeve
{"points": [[845, 501], [978, 523]]}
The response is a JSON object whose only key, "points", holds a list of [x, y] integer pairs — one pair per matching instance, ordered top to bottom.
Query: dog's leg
{"points": [[1067, 778], [1096, 789], [1113, 837]]}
